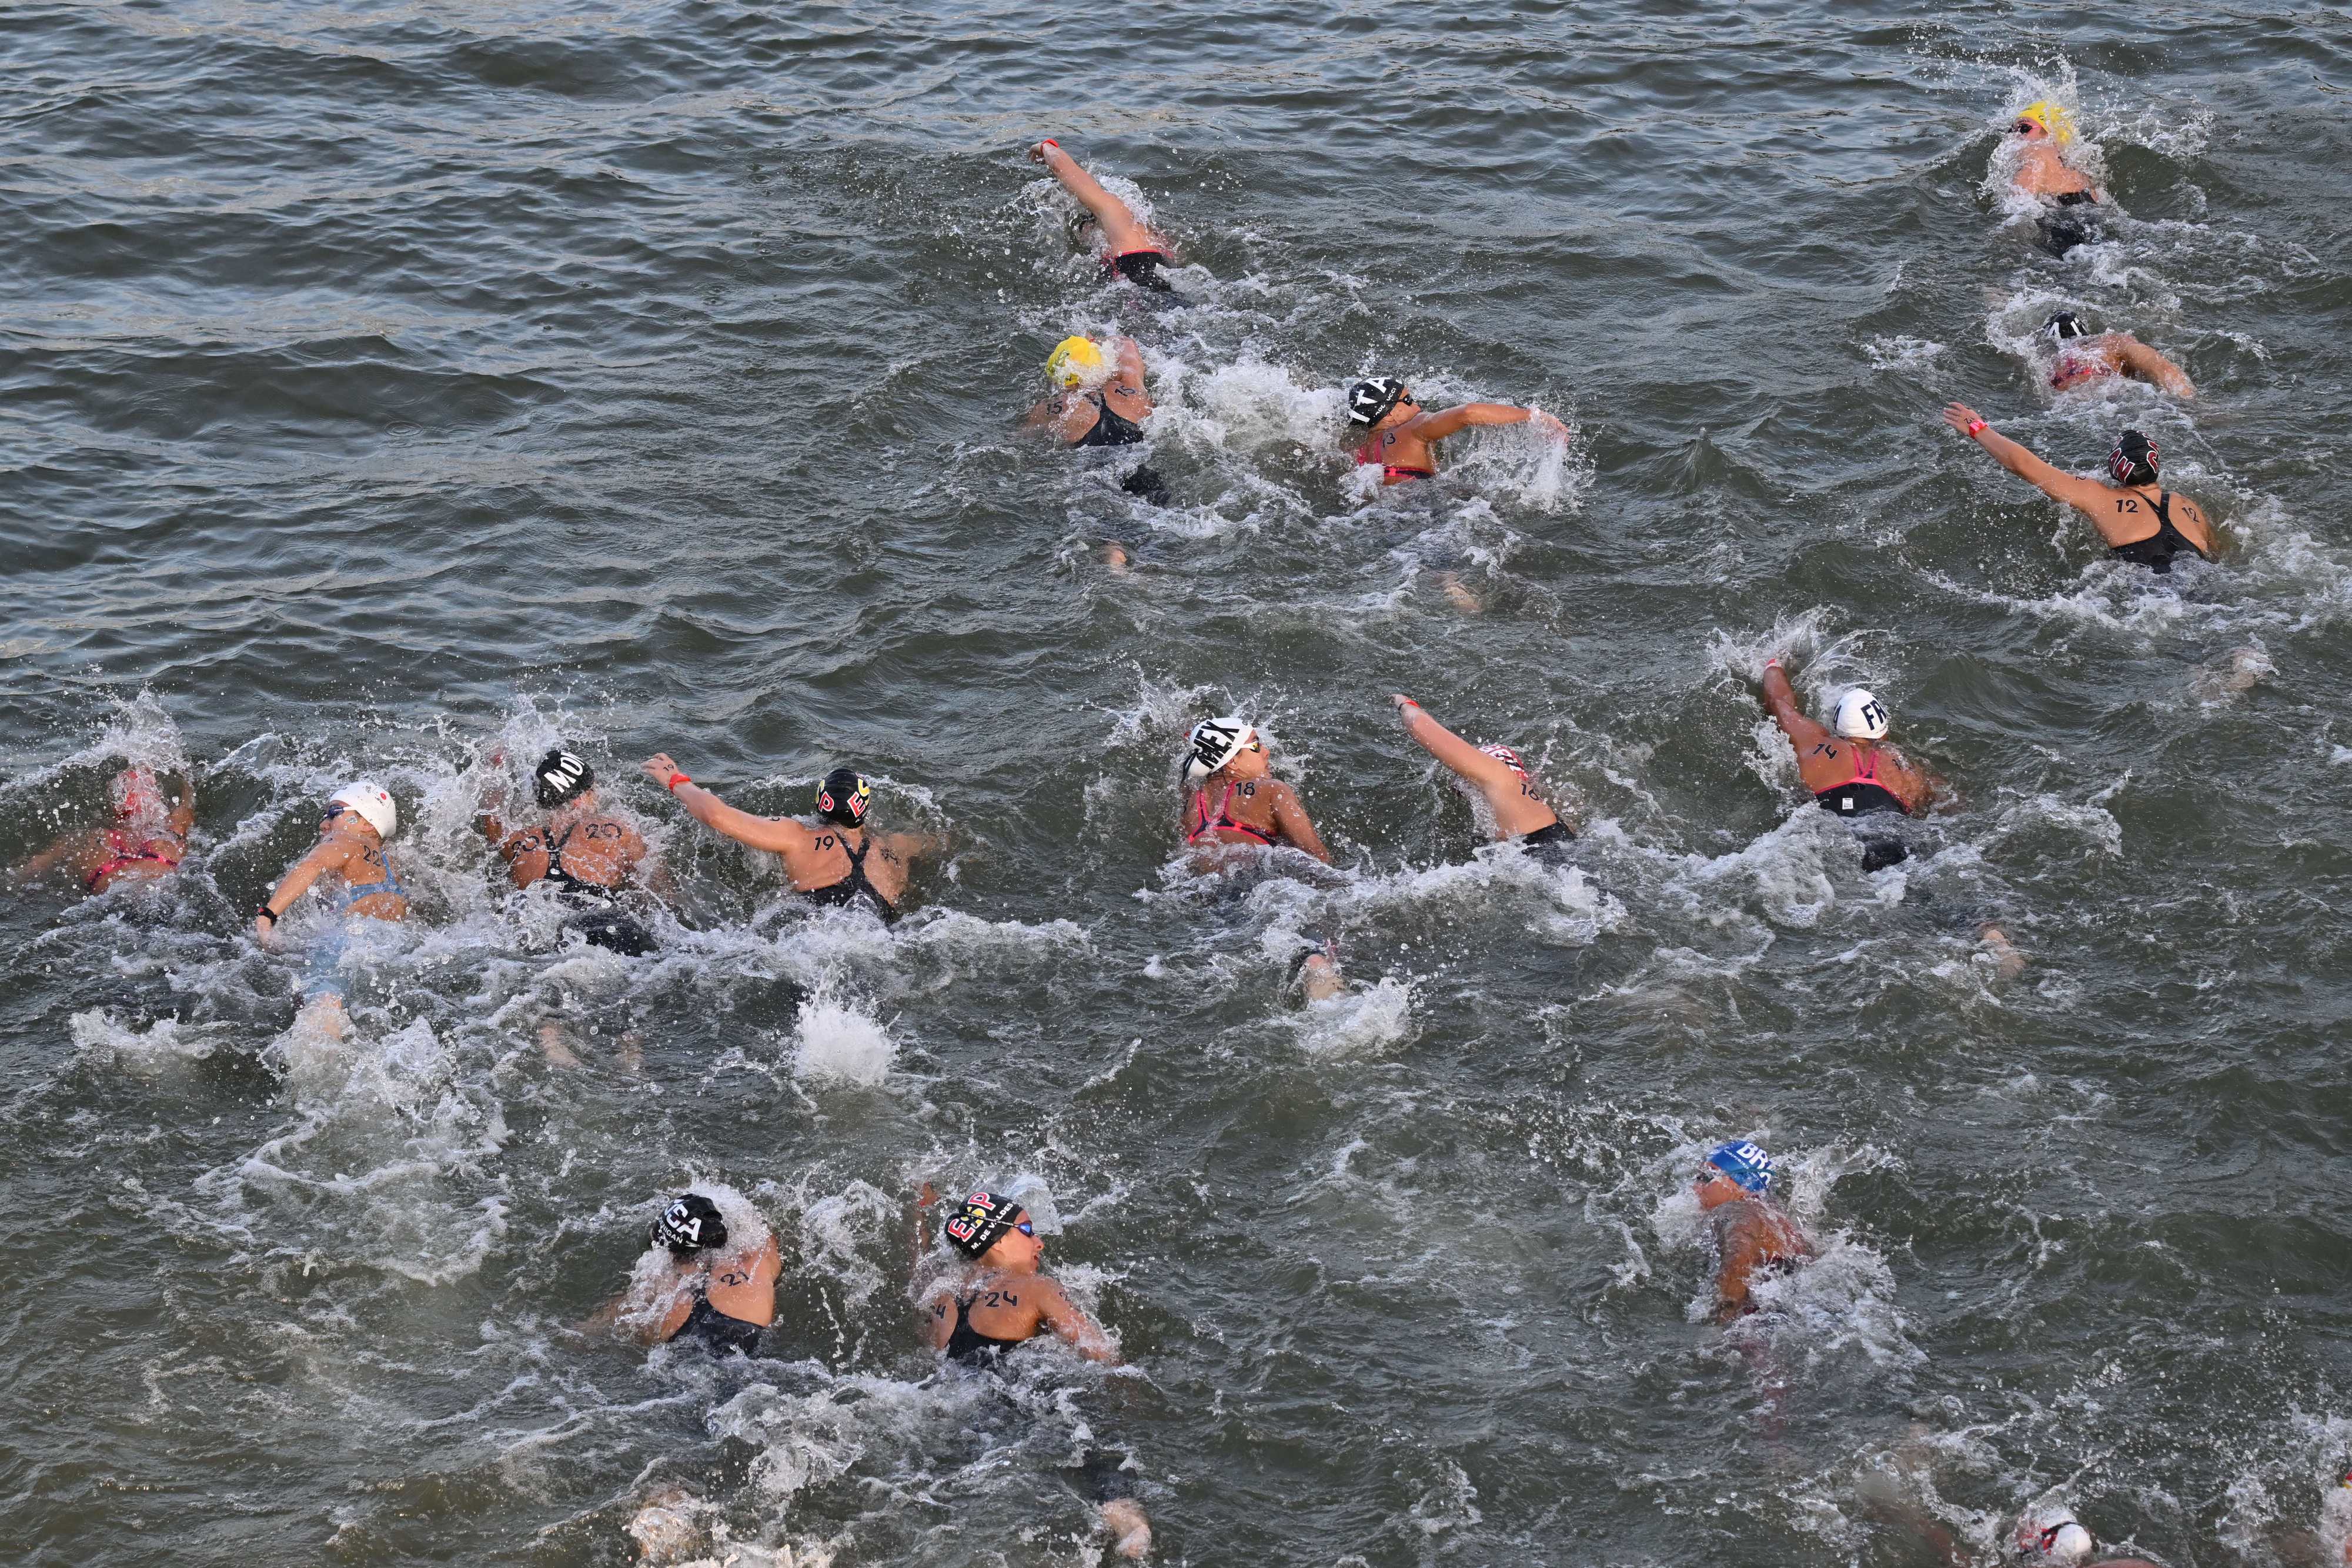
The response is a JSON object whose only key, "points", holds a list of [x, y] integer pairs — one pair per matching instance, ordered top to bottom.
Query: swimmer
{"points": [[2040, 132], [1129, 249], [2085, 357], [1101, 402], [1400, 436], [2136, 525], [1225, 755], [1849, 773], [1502, 781], [146, 841], [584, 854], [835, 864], [352, 875], [1750, 1233], [706, 1293], [996, 1300], [2051, 1534]]}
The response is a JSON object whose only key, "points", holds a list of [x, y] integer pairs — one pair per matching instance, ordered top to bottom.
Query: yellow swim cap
{"points": [[2052, 118], [1072, 359]]}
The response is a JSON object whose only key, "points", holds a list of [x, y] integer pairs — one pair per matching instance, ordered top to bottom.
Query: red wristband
{"points": [[1975, 425], [677, 778]]}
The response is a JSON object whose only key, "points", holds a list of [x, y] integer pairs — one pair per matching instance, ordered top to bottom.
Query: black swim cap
{"points": [[2064, 324], [1370, 401], [2133, 462], [561, 777], [844, 797], [979, 1221], [690, 1224]]}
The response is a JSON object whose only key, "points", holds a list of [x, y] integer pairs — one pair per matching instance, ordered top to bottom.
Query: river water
{"points": [[397, 388]]}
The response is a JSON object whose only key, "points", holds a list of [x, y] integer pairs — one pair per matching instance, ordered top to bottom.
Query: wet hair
{"points": [[2064, 324], [2133, 462], [561, 777], [844, 797]]}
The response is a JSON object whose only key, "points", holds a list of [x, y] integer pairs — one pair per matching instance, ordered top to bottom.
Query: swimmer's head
{"points": [[2049, 118], [2064, 324], [1074, 362], [1373, 399], [2133, 462], [1861, 716], [1213, 743], [1507, 757], [560, 776], [135, 793], [844, 797], [369, 803], [1744, 1165], [980, 1221], [689, 1225], [2049, 1534]]}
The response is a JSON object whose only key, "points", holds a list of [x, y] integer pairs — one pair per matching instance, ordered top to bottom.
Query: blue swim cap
{"points": [[1745, 1164]]}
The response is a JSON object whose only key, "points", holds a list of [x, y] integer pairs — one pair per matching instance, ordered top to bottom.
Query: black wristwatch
{"points": [[265, 913]]}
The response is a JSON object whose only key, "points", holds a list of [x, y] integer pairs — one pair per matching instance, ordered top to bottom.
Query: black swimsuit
{"points": [[1141, 267], [1111, 428], [2155, 551], [1550, 834], [848, 888], [599, 923], [717, 1333], [967, 1343]]}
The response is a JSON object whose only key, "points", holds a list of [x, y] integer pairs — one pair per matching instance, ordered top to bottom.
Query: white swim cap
{"points": [[1861, 716], [1215, 742], [371, 805], [2049, 1534]]}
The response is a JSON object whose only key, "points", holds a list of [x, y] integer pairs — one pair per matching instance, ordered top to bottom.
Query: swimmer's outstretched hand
{"points": [[1044, 151], [1964, 419], [1546, 425], [1403, 704], [658, 768], [926, 1196]]}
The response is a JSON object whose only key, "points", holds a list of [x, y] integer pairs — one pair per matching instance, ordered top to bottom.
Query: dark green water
{"points": [[392, 386]]}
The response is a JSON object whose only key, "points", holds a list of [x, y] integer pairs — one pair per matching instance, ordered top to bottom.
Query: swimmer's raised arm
{"points": [[1120, 228], [2145, 362], [1439, 425], [2088, 494], [1780, 702], [1457, 754], [777, 835]]}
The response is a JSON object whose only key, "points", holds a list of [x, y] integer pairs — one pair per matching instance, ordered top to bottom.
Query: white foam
{"points": [[1360, 1021], [165, 1043], [838, 1043]]}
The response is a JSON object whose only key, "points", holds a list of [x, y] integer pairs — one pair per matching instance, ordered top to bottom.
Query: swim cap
{"points": [[2052, 118], [2064, 324], [1073, 362], [1368, 401], [2133, 462], [1861, 716], [1214, 742], [1507, 757], [561, 777], [134, 792], [844, 797], [370, 804], [1747, 1165], [690, 1224], [975, 1226], [2050, 1534]]}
